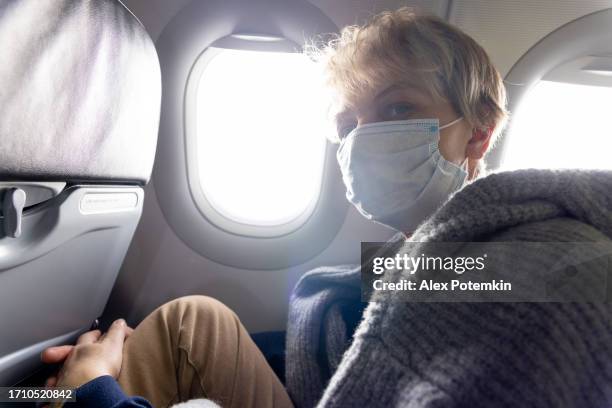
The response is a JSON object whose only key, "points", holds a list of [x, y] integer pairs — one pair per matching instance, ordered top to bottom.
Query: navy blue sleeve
{"points": [[105, 392]]}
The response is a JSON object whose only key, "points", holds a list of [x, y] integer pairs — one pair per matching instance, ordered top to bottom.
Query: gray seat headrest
{"points": [[80, 91]]}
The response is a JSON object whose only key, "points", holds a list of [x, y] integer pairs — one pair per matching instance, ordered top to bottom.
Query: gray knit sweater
{"points": [[464, 354]]}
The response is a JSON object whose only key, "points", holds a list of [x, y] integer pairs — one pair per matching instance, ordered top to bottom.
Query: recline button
{"points": [[12, 210]]}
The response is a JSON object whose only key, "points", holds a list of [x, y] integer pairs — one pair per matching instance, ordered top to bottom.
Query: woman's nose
{"points": [[364, 120]]}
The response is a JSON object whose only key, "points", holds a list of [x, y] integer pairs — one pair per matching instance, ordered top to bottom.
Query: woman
{"points": [[419, 104]]}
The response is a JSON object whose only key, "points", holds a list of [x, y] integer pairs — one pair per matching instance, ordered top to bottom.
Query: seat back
{"points": [[80, 91]]}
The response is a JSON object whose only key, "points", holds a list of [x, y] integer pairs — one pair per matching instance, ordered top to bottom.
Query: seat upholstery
{"points": [[80, 91]]}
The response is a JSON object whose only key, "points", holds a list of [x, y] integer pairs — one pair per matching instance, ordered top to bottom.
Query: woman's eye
{"points": [[397, 110]]}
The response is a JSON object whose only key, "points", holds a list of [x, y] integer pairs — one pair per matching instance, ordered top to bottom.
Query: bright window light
{"points": [[561, 125], [261, 134]]}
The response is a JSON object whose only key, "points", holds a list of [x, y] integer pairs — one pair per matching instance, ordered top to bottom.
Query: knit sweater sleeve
{"points": [[482, 354], [499, 354]]}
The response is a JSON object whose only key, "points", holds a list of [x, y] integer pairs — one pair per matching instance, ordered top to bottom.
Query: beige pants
{"points": [[196, 347]]}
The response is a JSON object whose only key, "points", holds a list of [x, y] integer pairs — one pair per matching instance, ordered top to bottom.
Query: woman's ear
{"points": [[479, 143]]}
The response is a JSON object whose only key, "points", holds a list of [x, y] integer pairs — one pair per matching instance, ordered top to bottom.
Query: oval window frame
{"points": [[197, 26], [572, 41], [207, 208]]}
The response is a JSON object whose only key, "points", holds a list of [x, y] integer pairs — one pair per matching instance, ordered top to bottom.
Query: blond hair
{"points": [[404, 45]]}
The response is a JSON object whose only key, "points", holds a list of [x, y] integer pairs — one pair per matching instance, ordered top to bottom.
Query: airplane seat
{"points": [[80, 93]]}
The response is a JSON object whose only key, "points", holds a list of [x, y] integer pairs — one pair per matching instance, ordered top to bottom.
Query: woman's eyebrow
{"points": [[402, 86]]}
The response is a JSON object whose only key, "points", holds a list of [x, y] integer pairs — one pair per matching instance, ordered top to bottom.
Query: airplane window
{"points": [[561, 125], [261, 135]]}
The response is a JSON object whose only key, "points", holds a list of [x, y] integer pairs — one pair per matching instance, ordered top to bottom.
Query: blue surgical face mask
{"points": [[394, 172]]}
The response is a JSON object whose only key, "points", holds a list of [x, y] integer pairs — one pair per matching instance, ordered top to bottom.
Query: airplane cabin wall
{"points": [[160, 267]]}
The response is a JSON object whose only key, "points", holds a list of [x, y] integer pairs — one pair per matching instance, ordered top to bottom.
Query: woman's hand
{"points": [[94, 355]]}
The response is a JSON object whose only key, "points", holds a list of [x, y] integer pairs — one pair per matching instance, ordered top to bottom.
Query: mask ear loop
{"points": [[459, 119], [434, 146], [464, 164]]}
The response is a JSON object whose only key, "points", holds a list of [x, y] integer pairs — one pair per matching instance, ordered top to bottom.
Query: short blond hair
{"points": [[402, 43]]}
